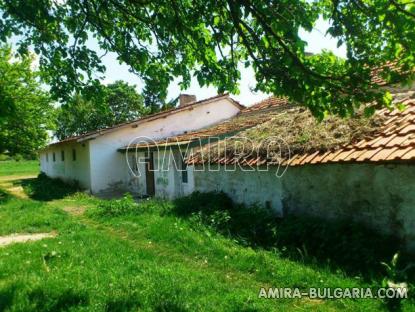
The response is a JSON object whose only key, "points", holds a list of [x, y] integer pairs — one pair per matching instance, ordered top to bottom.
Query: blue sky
{"points": [[316, 42]]}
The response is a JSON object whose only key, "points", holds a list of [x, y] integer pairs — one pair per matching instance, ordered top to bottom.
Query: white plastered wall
{"points": [[108, 166], [68, 170], [168, 172], [378, 195]]}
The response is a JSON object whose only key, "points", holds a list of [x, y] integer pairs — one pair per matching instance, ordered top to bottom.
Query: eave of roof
{"points": [[162, 114], [248, 117], [393, 142], [153, 145]]}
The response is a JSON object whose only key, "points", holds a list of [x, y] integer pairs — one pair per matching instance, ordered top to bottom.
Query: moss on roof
{"points": [[286, 130]]}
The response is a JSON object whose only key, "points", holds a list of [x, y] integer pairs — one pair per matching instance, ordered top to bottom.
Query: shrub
{"points": [[4, 157], [18, 157], [44, 188], [4, 196], [205, 202], [128, 206], [116, 207], [250, 225], [344, 244]]}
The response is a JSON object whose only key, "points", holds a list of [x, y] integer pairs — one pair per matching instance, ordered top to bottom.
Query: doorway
{"points": [[151, 189]]}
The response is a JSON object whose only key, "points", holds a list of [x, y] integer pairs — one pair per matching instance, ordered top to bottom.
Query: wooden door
{"points": [[150, 174]]}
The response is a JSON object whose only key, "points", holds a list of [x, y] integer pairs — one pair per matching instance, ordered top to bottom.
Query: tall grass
{"points": [[343, 245], [199, 253]]}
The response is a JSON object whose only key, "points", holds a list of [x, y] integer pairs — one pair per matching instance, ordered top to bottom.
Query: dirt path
{"points": [[17, 177], [10, 184], [74, 210], [22, 238]]}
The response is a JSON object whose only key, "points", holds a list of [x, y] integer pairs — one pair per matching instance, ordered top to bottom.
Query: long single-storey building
{"points": [[273, 154], [93, 159], [360, 169]]}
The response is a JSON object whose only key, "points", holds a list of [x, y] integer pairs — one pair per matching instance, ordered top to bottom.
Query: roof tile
{"points": [[394, 140], [383, 153], [400, 153], [410, 154]]}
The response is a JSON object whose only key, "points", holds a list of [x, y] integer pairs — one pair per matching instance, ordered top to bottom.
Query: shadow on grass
{"points": [[44, 188], [4, 196], [340, 245], [6, 297], [14, 298], [40, 300], [133, 304], [120, 305]]}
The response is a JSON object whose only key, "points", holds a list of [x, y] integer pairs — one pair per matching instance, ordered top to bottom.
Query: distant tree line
{"points": [[115, 103], [26, 110], [29, 118]]}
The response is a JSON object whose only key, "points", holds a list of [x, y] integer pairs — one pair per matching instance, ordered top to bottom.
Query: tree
{"points": [[161, 40], [113, 104], [25, 109]]}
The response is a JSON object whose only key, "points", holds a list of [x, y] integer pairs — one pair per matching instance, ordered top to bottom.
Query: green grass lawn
{"points": [[19, 168], [121, 256]]}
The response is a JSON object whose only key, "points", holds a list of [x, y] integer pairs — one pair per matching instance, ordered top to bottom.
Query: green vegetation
{"points": [[209, 40], [111, 104], [26, 111], [285, 130], [16, 168], [43, 188], [197, 253]]}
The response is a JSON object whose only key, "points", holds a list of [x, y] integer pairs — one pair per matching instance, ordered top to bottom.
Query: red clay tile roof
{"points": [[376, 73], [268, 103], [158, 115], [247, 118], [393, 141]]}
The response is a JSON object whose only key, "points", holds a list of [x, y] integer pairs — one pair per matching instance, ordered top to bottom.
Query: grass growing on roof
{"points": [[289, 130]]}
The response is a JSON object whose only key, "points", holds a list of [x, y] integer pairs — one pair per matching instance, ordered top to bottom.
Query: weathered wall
{"points": [[107, 163], [69, 169], [135, 173], [165, 175], [168, 175], [189, 187], [249, 187], [381, 196]]}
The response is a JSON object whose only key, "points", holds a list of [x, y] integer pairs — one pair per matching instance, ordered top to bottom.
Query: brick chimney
{"points": [[186, 99]]}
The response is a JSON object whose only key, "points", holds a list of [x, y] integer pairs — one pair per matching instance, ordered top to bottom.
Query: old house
{"points": [[275, 154], [93, 158]]}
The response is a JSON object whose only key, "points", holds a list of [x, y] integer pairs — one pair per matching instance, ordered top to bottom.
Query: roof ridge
{"points": [[147, 117]]}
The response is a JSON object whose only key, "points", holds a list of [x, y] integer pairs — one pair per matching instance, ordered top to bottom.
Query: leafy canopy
{"points": [[162, 40], [113, 104], [26, 112]]}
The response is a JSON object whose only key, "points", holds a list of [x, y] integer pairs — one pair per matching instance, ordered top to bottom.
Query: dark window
{"points": [[74, 154], [62, 155], [53, 156], [47, 157], [184, 169]]}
